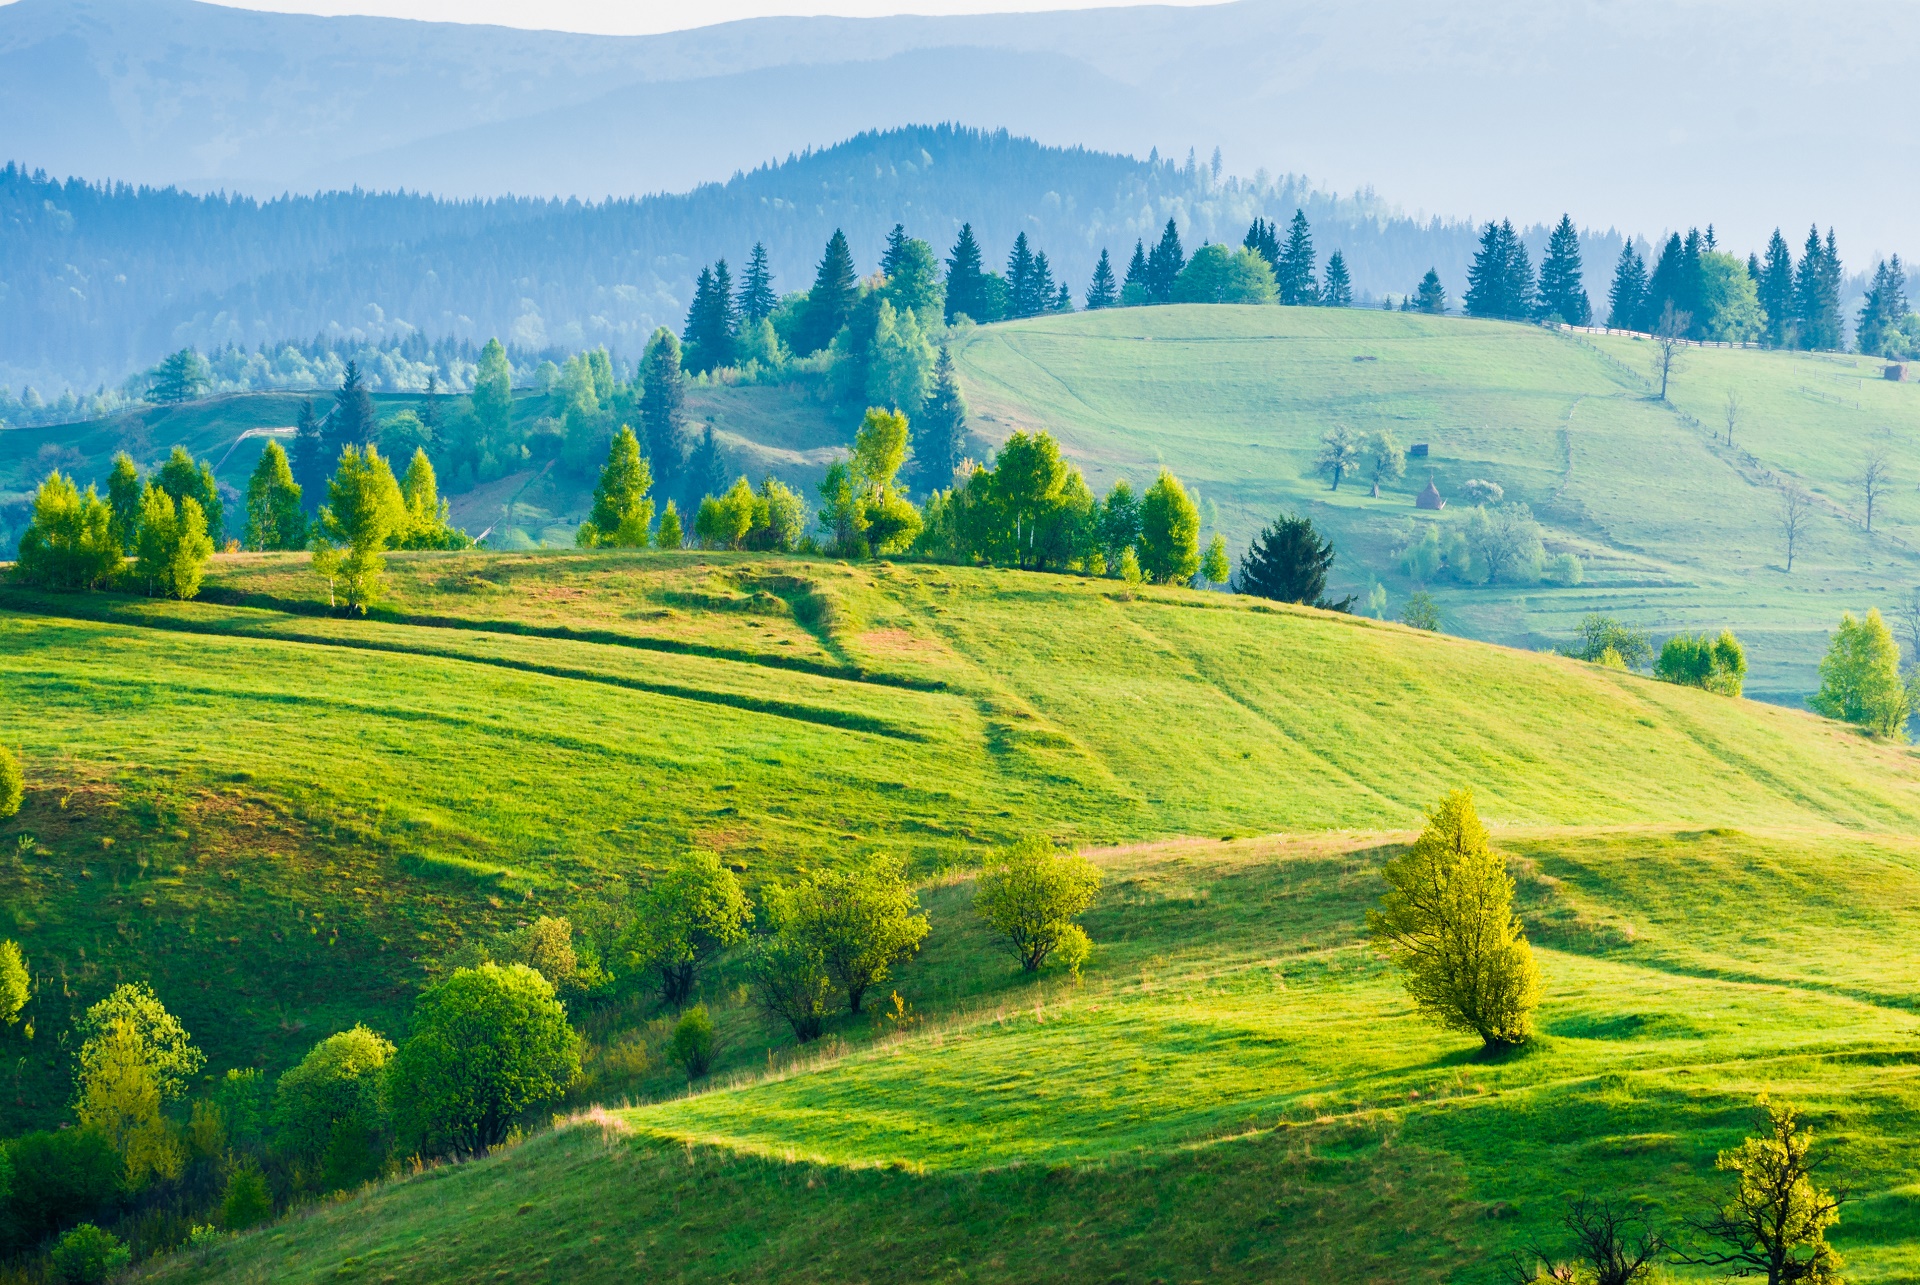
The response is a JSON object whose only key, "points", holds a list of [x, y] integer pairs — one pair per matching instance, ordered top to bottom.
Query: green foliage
{"points": [[1217, 274], [1500, 281], [1562, 296], [830, 302], [900, 361], [180, 377], [492, 402], [663, 410], [1339, 455], [1382, 458], [184, 480], [123, 499], [861, 505], [365, 510], [621, 510], [276, 518], [724, 521], [429, 523], [1169, 532], [669, 535], [1505, 541], [69, 542], [174, 546], [1288, 562], [1214, 567], [1421, 611], [1600, 634], [1695, 660], [1860, 677], [13, 783], [1033, 896], [689, 914], [861, 920], [1447, 921], [546, 946], [787, 974], [16, 984], [162, 1044], [488, 1044], [691, 1045], [117, 1095], [244, 1098], [327, 1107], [76, 1174], [246, 1200], [1776, 1221], [88, 1256]]}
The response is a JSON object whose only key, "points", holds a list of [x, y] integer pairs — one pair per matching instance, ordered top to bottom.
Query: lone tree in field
{"points": [[1669, 339], [1339, 455], [1876, 475], [621, 510], [1796, 510], [1169, 532], [1288, 562], [1860, 677], [1032, 896], [690, 914], [1447, 920], [862, 921], [1775, 1224], [1612, 1246]]}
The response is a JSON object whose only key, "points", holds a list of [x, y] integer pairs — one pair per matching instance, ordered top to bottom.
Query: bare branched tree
{"points": [[1669, 339], [1733, 415], [1874, 477], [1796, 507], [1907, 613], [1613, 1246]]}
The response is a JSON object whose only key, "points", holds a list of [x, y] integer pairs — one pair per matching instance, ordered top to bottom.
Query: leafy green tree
{"points": [[1293, 274], [1218, 275], [913, 279], [1102, 290], [1338, 292], [1562, 293], [967, 294], [1431, 297], [757, 299], [1729, 300], [830, 303], [900, 361], [179, 378], [492, 402], [663, 411], [940, 430], [402, 433], [1339, 454], [1382, 458], [182, 479], [123, 498], [862, 505], [621, 510], [364, 511], [276, 517], [429, 518], [779, 518], [723, 522], [1118, 529], [1169, 532], [670, 535], [69, 542], [174, 546], [1288, 562], [1214, 566], [1421, 611], [1600, 634], [1695, 660], [1860, 677], [13, 784], [1033, 897], [685, 918], [863, 920], [1447, 921], [787, 975], [16, 985], [488, 1044], [691, 1045], [165, 1047], [134, 1056], [332, 1109], [76, 1174], [247, 1201], [1776, 1220], [88, 1256]]}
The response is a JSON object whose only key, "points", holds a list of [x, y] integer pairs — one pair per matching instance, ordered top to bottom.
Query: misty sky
{"points": [[637, 17]]}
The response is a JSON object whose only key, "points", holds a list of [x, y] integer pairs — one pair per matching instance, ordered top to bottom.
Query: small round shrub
{"points": [[13, 785], [692, 1045], [247, 1202], [88, 1256]]}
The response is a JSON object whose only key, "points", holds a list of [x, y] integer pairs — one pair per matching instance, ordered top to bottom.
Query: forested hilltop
{"points": [[98, 280]]}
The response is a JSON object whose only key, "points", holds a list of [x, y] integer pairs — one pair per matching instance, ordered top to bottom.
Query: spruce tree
{"points": [[1263, 239], [890, 257], [1164, 265], [1137, 268], [1293, 275], [1487, 276], [967, 280], [1665, 285], [1339, 289], [1520, 289], [1041, 290], [1101, 291], [1776, 291], [1562, 293], [1628, 297], [1431, 298], [1062, 299], [757, 300], [1021, 300], [830, 303], [1808, 306], [1885, 308], [710, 322], [181, 377], [662, 410], [352, 422], [940, 432], [309, 457], [706, 470], [621, 510], [1288, 562]]}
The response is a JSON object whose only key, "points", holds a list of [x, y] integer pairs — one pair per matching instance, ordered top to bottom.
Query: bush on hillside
{"points": [[1421, 611], [1600, 633], [1695, 660], [1860, 677], [13, 783], [1031, 896], [692, 912], [863, 920], [1447, 921], [787, 975], [16, 985], [488, 1043], [691, 1046], [331, 1108], [75, 1174], [246, 1201], [88, 1256]]}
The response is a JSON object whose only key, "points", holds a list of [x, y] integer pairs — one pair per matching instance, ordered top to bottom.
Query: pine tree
{"points": [[1264, 239], [890, 257], [1164, 265], [1137, 268], [1294, 273], [1490, 277], [967, 280], [1520, 284], [1665, 284], [1040, 287], [1339, 290], [1101, 291], [1776, 291], [1562, 294], [1628, 297], [1431, 298], [1063, 299], [757, 300], [1021, 301], [830, 302], [1884, 309], [1810, 311], [710, 321], [182, 377], [662, 410], [352, 422], [940, 433], [309, 457], [706, 469], [621, 510], [275, 518]]}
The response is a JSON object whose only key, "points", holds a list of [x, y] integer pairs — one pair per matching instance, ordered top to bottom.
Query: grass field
{"points": [[283, 818]]}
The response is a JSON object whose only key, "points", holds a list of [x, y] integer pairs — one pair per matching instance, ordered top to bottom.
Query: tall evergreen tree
{"points": [[1264, 240], [890, 257], [1164, 265], [1136, 267], [1293, 275], [1500, 279], [1665, 284], [1041, 287], [1339, 288], [1521, 291], [1776, 291], [1102, 292], [967, 293], [1562, 293], [1816, 294], [1628, 297], [1021, 298], [1062, 298], [1431, 298], [757, 300], [830, 303], [1885, 308], [710, 322], [182, 377], [427, 410], [663, 410], [352, 422], [940, 433], [309, 458], [706, 470]]}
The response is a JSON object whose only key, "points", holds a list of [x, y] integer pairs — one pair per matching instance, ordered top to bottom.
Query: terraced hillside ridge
{"points": [[1676, 529]]}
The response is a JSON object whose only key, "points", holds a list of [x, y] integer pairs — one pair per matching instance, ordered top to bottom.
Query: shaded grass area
{"points": [[1236, 1091]]}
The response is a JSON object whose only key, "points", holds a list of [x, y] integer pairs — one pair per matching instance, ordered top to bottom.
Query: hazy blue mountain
{"points": [[1648, 113], [99, 281]]}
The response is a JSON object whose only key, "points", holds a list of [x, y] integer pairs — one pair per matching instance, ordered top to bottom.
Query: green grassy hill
{"points": [[282, 818]]}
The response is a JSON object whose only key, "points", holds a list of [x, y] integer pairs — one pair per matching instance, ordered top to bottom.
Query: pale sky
{"points": [[639, 17]]}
